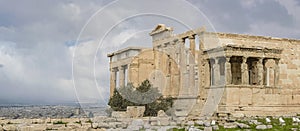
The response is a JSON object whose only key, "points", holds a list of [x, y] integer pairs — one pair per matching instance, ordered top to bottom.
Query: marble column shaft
{"points": [[192, 45], [216, 68], [260, 68], [228, 71], [244, 71], [277, 71], [122, 76], [113, 79]]}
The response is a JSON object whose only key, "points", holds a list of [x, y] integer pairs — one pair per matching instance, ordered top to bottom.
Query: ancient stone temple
{"points": [[253, 75]]}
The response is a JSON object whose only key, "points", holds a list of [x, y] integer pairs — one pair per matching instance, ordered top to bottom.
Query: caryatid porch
{"points": [[236, 65]]}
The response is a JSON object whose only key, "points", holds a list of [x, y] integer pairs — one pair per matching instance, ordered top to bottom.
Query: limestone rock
{"points": [[135, 111], [161, 113], [119, 114], [238, 115], [94, 119], [294, 119], [268, 120], [298, 120], [163, 121], [281, 121], [137, 122], [199, 122], [213, 122], [255, 122], [173, 123], [190, 123], [207, 123], [73, 125], [87, 125], [95, 125], [103, 125], [112, 125], [230, 125], [147, 126], [243, 126], [269, 126], [9, 127], [261, 127], [134, 128], [192, 128], [207, 128], [215, 128]]}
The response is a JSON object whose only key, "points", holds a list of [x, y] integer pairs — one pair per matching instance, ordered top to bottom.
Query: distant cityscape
{"points": [[19, 111]]}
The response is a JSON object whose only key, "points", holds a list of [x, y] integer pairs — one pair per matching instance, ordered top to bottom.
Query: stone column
{"points": [[201, 44], [192, 45], [181, 54], [183, 68], [216, 68], [228, 71], [244, 71], [260, 71], [277, 71], [207, 73], [122, 76], [192, 79], [113, 80]]}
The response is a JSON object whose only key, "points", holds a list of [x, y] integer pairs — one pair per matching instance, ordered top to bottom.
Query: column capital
{"points": [[191, 37], [182, 40], [227, 58], [216, 59], [244, 59], [260, 60], [276, 60], [122, 67], [114, 69]]}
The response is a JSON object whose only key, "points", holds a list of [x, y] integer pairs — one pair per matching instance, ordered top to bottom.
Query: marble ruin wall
{"points": [[259, 74], [279, 93]]}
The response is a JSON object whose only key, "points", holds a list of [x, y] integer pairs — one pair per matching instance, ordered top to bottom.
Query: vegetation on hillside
{"points": [[143, 95]]}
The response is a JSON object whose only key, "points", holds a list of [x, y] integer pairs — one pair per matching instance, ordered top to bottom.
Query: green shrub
{"points": [[144, 95]]}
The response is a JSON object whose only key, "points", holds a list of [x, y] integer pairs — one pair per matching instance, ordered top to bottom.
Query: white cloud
{"points": [[292, 7]]}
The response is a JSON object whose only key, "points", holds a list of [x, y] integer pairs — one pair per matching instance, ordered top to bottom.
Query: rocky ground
{"points": [[133, 120], [161, 123]]}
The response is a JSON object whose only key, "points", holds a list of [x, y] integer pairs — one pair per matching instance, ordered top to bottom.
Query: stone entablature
{"points": [[236, 50]]}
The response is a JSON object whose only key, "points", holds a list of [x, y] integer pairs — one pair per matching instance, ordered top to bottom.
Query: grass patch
{"points": [[221, 128], [176, 129]]}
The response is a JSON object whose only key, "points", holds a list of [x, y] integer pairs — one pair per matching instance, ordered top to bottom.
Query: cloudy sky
{"points": [[54, 51]]}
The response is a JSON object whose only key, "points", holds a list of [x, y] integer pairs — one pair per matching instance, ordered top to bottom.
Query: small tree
{"points": [[144, 95], [118, 103]]}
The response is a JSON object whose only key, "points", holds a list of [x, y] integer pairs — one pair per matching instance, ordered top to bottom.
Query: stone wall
{"points": [[259, 74], [283, 99]]}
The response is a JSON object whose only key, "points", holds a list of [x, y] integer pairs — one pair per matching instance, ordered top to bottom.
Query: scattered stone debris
{"points": [[121, 121]]}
